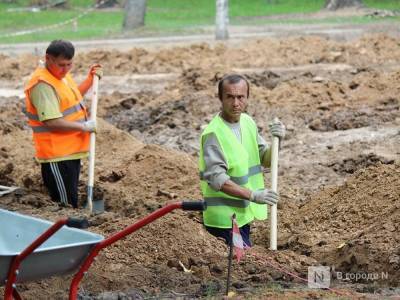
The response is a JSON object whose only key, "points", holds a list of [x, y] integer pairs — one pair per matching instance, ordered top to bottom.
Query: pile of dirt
{"points": [[293, 51], [14, 68], [300, 101], [351, 165], [17, 166], [339, 169], [132, 177], [150, 177], [353, 227]]}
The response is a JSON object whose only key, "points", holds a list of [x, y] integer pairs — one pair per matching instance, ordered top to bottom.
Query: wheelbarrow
{"points": [[58, 250]]}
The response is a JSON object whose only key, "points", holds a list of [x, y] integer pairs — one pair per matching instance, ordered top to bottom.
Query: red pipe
{"points": [[12, 273], [73, 292]]}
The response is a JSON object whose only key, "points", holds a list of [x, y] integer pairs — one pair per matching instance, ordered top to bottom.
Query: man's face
{"points": [[58, 66], [234, 100]]}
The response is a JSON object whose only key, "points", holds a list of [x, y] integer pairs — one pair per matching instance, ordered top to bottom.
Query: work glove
{"points": [[96, 69], [89, 126], [277, 129], [264, 197]]}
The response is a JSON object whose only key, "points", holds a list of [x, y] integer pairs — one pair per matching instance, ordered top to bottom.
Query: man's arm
{"points": [[95, 69], [85, 85], [47, 105], [60, 124], [265, 151], [215, 172], [215, 175], [235, 190]]}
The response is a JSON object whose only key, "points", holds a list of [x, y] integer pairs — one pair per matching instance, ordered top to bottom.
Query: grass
{"points": [[383, 4], [261, 8], [178, 13], [174, 14], [163, 17], [95, 25]]}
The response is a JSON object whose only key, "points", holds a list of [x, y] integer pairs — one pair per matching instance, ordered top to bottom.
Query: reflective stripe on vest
{"points": [[67, 112], [41, 129], [57, 144], [243, 168], [242, 179], [219, 201]]}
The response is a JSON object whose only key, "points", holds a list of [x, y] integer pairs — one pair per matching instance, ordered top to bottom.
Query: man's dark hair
{"points": [[62, 48], [231, 79]]}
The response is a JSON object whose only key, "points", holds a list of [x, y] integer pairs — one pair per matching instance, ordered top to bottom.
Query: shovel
{"points": [[274, 187], [7, 189], [96, 206]]}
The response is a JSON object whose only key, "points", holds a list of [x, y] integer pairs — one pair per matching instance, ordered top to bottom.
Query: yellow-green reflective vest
{"points": [[244, 168]]}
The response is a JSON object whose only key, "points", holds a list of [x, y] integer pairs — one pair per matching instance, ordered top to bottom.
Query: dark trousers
{"points": [[61, 179], [226, 233]]}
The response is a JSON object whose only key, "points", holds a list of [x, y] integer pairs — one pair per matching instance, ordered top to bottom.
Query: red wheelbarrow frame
{"points": [[10, 290]]}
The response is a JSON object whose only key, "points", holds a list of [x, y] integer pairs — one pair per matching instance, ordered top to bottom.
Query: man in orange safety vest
{"points": [[59, 121]]}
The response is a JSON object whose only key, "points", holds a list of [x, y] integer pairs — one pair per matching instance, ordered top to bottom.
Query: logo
{"points": [[319, 277]]}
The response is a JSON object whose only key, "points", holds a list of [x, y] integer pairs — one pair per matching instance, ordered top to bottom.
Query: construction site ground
{"points": [[339, 168]]}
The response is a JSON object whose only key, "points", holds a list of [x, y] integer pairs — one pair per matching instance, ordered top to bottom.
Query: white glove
{"points": [[89, 126], [277, 129], [264, 197]]}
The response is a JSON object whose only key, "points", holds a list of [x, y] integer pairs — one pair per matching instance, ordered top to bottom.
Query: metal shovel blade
{"points": [[94, 205], [98, 206]]}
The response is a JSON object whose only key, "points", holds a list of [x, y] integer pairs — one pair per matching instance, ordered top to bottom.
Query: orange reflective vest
{"points": [[57, 144]]}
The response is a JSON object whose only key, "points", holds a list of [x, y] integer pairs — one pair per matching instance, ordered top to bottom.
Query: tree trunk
{"points": [[338, 4], [135, 11], [222, 20]]}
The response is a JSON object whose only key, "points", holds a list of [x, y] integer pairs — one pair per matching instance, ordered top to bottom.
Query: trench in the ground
{"points": [[177, 124]]}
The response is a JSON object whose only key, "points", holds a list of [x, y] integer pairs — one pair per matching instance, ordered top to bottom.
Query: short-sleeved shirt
{"points": [[47, 103]]}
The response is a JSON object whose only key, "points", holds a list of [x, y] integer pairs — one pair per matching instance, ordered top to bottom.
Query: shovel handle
{"points": [[92, 147], [274, 187], [194, 205]]}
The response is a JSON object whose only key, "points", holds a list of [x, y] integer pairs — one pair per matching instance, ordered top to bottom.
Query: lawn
{"points": [[79, 21]]}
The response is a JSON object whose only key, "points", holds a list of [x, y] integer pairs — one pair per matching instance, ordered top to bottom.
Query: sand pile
{"points": [[146, 180], [353, 227]]}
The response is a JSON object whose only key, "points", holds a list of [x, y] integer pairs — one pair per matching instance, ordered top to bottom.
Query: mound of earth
{"points": [[293, 51], [339, 168], [353, 227]]}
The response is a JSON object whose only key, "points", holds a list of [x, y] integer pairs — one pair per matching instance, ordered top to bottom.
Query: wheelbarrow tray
{"points": [[62, 254]]}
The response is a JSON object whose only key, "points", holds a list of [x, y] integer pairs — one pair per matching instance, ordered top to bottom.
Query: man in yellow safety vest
{"points": [[232, 154]]}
